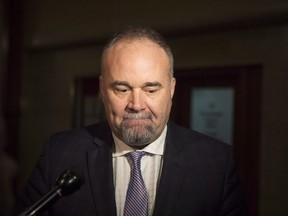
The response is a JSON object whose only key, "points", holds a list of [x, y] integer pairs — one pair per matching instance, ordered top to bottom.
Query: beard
{"points": [[136, 129]]}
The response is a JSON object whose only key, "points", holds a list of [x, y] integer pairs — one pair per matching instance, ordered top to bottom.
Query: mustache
{"points": [[142, 115]]}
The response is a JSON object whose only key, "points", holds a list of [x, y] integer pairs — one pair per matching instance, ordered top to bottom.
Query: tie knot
{"points": [[136, 156]]}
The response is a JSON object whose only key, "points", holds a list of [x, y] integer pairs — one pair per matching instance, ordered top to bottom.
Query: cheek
{"points": [[115, 106], [160, 107]]}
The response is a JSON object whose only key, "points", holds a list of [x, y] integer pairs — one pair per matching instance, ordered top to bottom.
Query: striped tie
{"points": [[136, 203]]}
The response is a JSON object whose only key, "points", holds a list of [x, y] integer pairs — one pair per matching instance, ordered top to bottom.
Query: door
{"points": [[241, 87]]}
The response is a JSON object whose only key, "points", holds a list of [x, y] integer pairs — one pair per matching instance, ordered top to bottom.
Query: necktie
{"points": [[136, 203]]}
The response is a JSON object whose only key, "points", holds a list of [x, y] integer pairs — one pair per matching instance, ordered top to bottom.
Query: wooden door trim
{"points": [[247, 119]]}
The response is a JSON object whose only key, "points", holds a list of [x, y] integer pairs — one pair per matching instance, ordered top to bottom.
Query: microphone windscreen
{"points": [[70, 180]]}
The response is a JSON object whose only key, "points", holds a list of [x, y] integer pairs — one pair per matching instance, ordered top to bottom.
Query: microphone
{"points": [[67, 183]]}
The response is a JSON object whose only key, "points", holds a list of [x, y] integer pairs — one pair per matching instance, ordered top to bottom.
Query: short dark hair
{"points": [[134, 33]]}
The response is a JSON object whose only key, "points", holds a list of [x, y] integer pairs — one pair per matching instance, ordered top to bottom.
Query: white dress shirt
{"points": [[150, 167]]}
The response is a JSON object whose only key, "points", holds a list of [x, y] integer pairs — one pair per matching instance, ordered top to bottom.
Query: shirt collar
{"points": [[155, 148]]}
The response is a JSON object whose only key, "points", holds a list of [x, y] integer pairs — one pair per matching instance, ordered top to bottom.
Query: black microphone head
{"points": [[70, 180]]}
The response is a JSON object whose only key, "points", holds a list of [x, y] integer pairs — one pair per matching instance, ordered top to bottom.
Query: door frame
{"points": [[246, 82]]}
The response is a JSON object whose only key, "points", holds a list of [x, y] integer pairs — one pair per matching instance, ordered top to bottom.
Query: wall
{"points": [[60, 22], [61, 46], [267, 47], [2, 48], [48, 96]]}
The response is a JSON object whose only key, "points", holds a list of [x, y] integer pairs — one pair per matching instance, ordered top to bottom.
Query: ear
{"points": [[101, 83], [101, 86], [172, 86]]}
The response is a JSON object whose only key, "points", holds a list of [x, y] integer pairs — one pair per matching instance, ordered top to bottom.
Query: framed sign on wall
{"points": [[212, 112]]}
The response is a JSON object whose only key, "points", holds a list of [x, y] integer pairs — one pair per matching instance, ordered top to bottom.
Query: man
{"points": [[184, 172]]}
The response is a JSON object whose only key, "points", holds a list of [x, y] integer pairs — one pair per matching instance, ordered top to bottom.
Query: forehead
{"points": [[136, 46], [136, 58]]}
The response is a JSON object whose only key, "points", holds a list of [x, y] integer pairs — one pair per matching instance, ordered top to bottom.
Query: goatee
{"points": [[135, 132]]}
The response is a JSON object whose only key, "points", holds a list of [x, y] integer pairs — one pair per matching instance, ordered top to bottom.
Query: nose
{"points": [[136, 101]]}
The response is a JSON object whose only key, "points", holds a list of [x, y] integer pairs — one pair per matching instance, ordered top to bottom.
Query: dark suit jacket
{"points": [[198, 175]]}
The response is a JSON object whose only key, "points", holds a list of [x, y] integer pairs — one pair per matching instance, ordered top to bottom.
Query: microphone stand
{"points": [[67, 183], [48, 199]]}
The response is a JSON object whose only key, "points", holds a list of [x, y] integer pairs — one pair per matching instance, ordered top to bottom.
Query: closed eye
{"points": [[120, 87], [152, 87], [119, 90], [151, 90]]}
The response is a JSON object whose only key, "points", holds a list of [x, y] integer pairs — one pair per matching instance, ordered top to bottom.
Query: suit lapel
{"points": [[99, 158], [172, 175], [169, 186]]}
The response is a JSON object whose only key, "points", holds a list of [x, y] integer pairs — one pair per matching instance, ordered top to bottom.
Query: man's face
{"points": [[137, 91]]}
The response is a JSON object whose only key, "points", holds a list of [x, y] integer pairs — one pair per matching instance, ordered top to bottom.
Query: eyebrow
{"points": [[122, 83], [147, 84], [152, 84]]}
